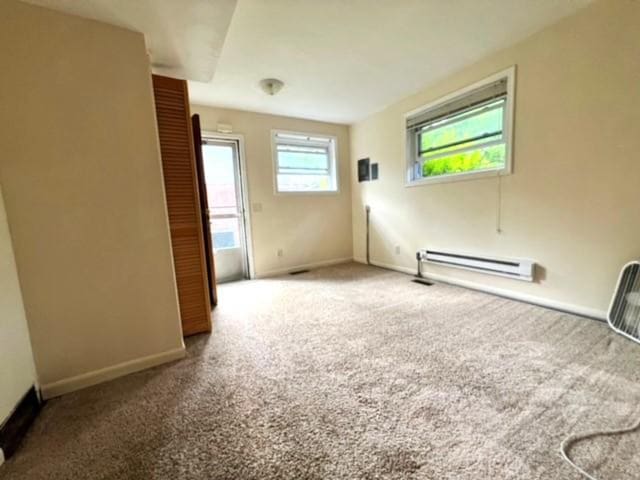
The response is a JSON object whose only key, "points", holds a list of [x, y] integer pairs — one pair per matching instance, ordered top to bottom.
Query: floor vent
{"points": [[505, 267], [298, 272], [422, 281]]}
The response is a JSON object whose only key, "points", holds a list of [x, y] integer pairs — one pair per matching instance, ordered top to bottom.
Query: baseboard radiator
{"points": [[519, 269]]}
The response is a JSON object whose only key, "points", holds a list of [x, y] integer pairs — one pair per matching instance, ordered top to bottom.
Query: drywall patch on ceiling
{"points": [[184, 37], [343, 60]]}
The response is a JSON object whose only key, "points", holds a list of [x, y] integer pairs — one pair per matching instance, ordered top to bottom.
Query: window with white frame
{"points": [[466, 134], [304, 163]]}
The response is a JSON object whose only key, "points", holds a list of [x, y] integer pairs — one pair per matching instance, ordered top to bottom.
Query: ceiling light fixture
{"points": [[271, 86]]}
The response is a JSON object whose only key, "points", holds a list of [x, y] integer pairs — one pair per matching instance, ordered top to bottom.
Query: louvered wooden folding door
{"points": [[183, 203]]}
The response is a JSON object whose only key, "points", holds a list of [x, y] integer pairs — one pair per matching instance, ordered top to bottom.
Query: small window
{"points": [[464, 135], [304, 163]]}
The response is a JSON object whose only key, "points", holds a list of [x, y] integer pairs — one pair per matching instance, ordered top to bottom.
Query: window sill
{"points": [[458, 177]]}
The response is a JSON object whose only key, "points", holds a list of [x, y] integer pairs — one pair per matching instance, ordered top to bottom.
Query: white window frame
{"points": [[509, 75], [306, 141]]}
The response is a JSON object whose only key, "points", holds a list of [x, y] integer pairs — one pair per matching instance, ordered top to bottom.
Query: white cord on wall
{"points": [[499, 206], [574, 438]]}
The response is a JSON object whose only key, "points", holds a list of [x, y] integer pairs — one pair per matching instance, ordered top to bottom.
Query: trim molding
{"points": [[323, 263], [500, 292], [67, 385]]}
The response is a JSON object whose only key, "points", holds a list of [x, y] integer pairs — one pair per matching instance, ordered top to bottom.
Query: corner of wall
{"points": [[558, 197], [72, 267], [16, 352]]}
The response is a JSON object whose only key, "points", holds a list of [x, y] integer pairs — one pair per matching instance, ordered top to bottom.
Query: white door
{"points": [[226, 210]]}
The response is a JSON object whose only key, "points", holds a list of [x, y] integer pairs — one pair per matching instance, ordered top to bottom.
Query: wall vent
{"points": [[520, 269]]}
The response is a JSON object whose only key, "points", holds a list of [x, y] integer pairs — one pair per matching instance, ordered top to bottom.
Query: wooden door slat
{"points": [[183, 203]]}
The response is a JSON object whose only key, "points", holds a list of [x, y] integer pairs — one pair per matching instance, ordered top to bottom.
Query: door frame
{"points": [[244, 184], [204, 207]]}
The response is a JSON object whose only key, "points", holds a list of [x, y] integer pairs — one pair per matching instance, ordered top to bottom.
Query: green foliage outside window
{"points": [[487, 125], [482, 159]]}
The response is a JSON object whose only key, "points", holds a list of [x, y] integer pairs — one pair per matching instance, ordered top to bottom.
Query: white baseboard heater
{"points": [[517, 268]]}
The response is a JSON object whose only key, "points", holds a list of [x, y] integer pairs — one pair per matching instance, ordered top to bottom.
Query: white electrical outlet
{"points": [[257, 207], [397, 249], [280, 252]]}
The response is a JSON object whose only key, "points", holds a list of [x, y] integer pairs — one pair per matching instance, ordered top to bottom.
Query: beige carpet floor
{"points": [[353, 372]]}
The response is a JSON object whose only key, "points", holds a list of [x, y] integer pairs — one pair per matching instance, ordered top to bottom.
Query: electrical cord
{"points": [[499, 206], [367, 210], [574, 438]]}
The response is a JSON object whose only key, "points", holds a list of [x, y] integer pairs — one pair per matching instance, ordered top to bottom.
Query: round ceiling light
{"points": [[271, 86]]}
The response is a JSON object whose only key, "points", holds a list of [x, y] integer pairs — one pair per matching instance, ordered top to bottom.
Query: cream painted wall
{"points": [[81, 175], [571, 203], [310, 229], [17, 372]]}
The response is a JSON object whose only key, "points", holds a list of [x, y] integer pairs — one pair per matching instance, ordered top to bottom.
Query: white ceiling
{"points": [[184, 37], [340, 59], [344, 59]]}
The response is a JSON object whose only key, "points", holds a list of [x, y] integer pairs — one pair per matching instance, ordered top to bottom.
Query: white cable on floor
{"points": [[574, 438]]}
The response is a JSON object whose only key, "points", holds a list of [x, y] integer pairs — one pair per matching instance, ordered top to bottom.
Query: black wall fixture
{"points": [[363, 170], [13, 430]]}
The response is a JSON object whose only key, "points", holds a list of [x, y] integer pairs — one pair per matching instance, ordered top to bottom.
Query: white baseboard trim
{"points": [[323, 263], [388, 266], [501, 292], [88, 379]]}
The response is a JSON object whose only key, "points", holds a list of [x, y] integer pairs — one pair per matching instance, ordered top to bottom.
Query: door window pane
{"points": [[219, 173], [220, 178], [225, 233]]}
